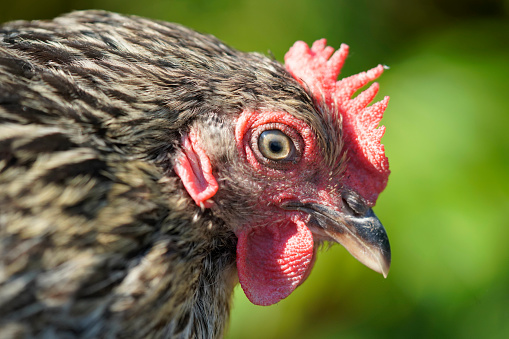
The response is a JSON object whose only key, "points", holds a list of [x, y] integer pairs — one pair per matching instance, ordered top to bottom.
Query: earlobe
{"points": [[195, 170]]}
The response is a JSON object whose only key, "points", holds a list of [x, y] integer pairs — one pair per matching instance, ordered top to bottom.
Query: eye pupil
{"points": [[275, 145]]}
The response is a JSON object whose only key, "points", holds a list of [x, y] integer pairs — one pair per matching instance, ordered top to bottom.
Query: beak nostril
{"points": [[353, 208]]}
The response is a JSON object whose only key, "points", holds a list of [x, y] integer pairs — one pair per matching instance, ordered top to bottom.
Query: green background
{"points": [[446, 206]]}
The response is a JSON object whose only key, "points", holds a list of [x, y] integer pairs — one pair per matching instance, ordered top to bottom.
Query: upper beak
{"points": [[362, 235]]}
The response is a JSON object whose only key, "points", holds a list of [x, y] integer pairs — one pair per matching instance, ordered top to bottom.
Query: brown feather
{"points": [[97, 235]]}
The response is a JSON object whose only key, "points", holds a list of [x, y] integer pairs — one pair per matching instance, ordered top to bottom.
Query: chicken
{"points": [[146, 169]]}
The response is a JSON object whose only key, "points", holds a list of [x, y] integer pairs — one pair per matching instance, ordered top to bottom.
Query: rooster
{"points": [[146, 169]]}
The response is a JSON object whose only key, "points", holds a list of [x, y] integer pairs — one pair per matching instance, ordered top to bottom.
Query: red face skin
{"points": [[275, 254]]}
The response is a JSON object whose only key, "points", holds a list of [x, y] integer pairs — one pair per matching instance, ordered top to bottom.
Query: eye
{"points": [[275, 145]]}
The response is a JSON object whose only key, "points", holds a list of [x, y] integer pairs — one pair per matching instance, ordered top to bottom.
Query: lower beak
{"points": [[362, 235]]}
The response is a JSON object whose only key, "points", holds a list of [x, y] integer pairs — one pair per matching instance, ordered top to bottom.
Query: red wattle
{"points": [[273, 260]]}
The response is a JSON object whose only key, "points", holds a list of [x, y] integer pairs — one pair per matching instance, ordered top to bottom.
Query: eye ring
{"points": [[275, 145]]}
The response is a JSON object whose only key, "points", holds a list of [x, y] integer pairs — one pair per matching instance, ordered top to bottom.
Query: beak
{"points": [[362, 235]]}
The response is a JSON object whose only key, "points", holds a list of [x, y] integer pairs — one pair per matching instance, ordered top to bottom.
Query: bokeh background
{"points": [[446, 207]]}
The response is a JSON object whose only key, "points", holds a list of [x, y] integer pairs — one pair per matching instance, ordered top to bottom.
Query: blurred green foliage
{"points": [[446, 207]]}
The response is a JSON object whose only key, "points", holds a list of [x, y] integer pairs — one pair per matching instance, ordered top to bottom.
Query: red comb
{"points": [[317, 68]]}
